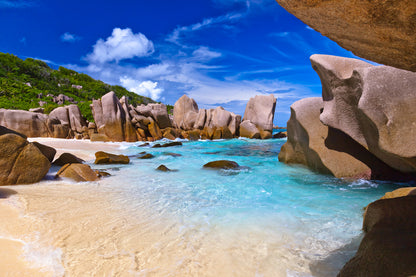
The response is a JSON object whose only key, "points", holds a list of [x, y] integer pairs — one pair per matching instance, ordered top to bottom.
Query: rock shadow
{"points": [[5, 193]]}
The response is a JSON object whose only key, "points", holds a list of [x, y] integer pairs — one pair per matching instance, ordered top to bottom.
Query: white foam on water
{"points": [[47, 258]]}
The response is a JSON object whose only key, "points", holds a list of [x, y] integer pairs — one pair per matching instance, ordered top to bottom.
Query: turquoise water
{"points": [[268, 217]]}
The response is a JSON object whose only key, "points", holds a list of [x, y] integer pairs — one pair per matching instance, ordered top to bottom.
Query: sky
{"points": [[219, 52]]}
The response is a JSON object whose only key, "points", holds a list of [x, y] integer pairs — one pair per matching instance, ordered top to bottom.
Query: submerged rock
{"points": [[169, 144], [172, 154], [146, 156], [67, 158], [107, 158], [21, 162], [221, 164], [163, 168], [77, 172]]}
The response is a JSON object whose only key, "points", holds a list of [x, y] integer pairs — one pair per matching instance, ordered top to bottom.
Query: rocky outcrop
{"points": [[381, 31], [374, 105], [185, 113], [259, 113], [366, 114], [70, 118], [112, 119], [28, 123], [307, 143], [47, 151], [67, 158], [107, 158], [21, 162], [221, 164], [77, 172], [388, 247]]}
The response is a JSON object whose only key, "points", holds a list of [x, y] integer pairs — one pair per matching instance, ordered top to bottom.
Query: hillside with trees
{"points": [[30, 83]]}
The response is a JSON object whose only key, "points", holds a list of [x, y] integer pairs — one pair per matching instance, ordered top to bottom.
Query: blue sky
{"points": [[219, 52]]}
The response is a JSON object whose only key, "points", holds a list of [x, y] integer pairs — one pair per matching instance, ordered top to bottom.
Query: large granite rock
{"points": [[381, 31], [374, 105], [260, 111], [159, 113], [185, 113], [70, 116], [112, 119], [28, 123], [129, 130], [306, 143], [108, 158], [21, 162], [77, 172], [388, 247]]}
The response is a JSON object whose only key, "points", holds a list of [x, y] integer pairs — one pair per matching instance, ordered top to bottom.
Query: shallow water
{"points": [[265, 219]]}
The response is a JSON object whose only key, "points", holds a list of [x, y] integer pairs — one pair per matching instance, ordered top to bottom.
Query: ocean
{"points": [[264, 219]]}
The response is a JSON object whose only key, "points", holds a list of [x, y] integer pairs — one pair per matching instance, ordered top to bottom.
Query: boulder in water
{"points": [[107, 158], [221, 164], [77, 172]]}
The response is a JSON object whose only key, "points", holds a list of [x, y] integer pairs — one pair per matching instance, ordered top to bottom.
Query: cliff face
{"points": [[380, 30]]}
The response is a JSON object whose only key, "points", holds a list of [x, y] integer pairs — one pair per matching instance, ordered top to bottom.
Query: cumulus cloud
{"points": [[68, 37], [122, 44], [145, 88]]}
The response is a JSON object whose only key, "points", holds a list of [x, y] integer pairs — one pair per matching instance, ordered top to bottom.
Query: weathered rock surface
{"points": [[381, 31], [374, 105], [260, 111], [185, 113], [70, 116], [112, 119], [28, 123], [249, 130], [306, 143], [169, 144], [47, 151], [146, 156], [67, 158], [107, 158], [21, 162], [221, 164], [163, 168], [77, 172], [388, 247]]}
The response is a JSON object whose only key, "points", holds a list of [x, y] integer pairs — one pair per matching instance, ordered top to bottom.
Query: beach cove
{"points": [[267, 219]]}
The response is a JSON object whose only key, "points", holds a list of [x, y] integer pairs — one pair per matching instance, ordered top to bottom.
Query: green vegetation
{"points": [[23, 83]]}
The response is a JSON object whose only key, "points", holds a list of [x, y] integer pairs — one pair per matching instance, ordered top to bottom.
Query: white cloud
{"points": [[175, 36], [68, 37], [122, 44], [204, 54], [145, 88]]}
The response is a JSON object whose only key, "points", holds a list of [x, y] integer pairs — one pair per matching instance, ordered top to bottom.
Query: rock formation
{"points": [[381, 31], [374, 105], [367, 111], [185, 113], [259, 113], [112, 119], [28, 123], [306, 143], [107, 158], [21, 162], [77, 172], [388, 247]]}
